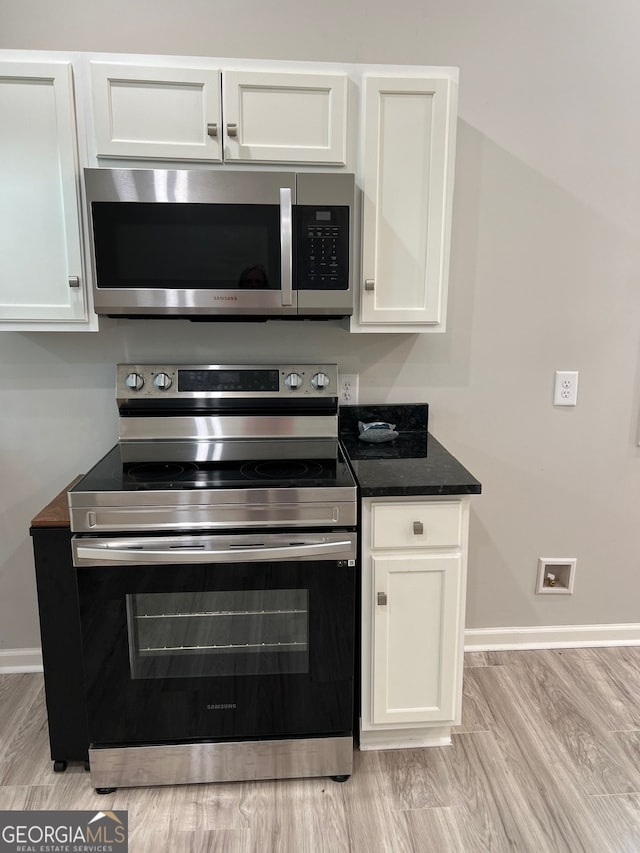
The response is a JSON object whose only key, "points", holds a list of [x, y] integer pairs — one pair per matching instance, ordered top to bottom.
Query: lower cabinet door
{"points": [[416, 637]]}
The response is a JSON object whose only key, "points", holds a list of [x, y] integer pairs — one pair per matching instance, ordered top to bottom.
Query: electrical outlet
{"points": [[348, 389], [565, 392]]}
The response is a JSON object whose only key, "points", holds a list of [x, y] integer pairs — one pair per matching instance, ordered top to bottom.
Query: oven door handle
{"points": [[133, 556]]}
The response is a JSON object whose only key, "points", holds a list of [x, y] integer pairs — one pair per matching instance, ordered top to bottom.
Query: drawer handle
{"points": [[418, 528], [382, 598]]}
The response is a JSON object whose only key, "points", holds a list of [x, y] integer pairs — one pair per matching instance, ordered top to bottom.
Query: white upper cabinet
{"points": [[156, 112], [177, 113], [285, 117], [408, 147], [42, 282]]}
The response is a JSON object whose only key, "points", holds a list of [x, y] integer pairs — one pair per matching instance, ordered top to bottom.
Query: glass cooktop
{"points": [[273, 465]]}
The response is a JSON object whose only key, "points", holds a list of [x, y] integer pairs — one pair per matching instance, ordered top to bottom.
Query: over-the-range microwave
{"points": [[213, 244]]}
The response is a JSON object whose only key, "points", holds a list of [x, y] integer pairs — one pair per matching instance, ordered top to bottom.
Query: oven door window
{"points": [[187, 246], [218, 634]]}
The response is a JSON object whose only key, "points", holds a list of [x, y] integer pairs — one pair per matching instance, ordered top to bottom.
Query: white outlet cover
{"points": [[565, 392]]}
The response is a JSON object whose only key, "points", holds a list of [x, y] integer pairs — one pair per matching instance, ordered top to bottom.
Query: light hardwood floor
{"points": [[547, 760]]}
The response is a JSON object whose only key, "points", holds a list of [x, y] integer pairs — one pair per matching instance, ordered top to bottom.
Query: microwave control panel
{"points": [[322, 248]]}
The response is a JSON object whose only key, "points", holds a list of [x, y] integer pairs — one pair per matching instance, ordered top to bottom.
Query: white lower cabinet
{"points": [[42, 284], [414, 555]]}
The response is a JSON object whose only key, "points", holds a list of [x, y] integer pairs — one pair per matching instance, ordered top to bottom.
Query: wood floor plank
{"points": [[21, 699], [476, 714], [575, 729], [417, 779], [368, 800], [553, 804], [184, 807], [502, 808], [296, 814], [619, 817], [429, 831], [192, 841]]}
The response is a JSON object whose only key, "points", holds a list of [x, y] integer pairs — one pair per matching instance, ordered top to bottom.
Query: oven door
{"points": [[217, 637]]}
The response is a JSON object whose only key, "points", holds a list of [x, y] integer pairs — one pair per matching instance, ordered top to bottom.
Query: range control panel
{"points": [[226, 380]]}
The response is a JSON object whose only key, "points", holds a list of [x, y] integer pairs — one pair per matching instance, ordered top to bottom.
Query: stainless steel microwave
{"points": [[214, 244]]}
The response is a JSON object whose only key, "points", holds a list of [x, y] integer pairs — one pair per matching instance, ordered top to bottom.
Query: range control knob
{"points": [[133, 381], [162, 381], [293, 381], [320, 381]]}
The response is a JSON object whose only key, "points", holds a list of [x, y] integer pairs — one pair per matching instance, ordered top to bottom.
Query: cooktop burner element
{"points": [[212, 446], [282, 469], [160, 472]]}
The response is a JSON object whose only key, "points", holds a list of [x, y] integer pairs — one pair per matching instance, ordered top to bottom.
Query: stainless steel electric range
{"points": [[216, 555]]}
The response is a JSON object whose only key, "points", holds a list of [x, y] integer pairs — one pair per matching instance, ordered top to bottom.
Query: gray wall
{"points": [[544, 276]]}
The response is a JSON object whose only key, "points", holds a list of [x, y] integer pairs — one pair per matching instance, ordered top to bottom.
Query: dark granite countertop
{"points": [[415, 463]]}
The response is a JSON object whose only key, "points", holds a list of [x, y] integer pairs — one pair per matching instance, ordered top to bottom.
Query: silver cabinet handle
{"points": [[212, 130], [232, 130], [286, 243], [74, 281], [369, 284], [418, 528], [382, 598]]}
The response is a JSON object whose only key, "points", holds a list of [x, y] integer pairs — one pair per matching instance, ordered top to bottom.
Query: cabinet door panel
{"points": [[156, 113], [285, 118], [407, 186], [40, 250], [416, 638]]}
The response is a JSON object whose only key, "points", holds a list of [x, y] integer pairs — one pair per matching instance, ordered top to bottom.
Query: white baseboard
{"points": [[550, 637], [20, 660]]}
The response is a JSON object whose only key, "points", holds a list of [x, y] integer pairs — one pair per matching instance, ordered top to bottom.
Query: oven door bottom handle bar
{"points": [[136, 556]]}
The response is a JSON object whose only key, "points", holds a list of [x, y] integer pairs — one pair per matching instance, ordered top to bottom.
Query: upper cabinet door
{"points": [[153, 112], [285, 117], [408, 142], [41, 272]]}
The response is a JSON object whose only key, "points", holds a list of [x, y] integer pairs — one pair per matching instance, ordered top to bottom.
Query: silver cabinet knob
{"points": [[212, 130], [232, 130], [74, 281], [369, 284], [133, 381], [162, 381], [418, 528], [382, 598]]}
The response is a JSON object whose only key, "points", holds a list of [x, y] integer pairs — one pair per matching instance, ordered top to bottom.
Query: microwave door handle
{"points": [[286, 245], [133, 556]]}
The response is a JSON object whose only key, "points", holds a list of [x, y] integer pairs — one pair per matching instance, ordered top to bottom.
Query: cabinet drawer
{"points": [[417, 525]]}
